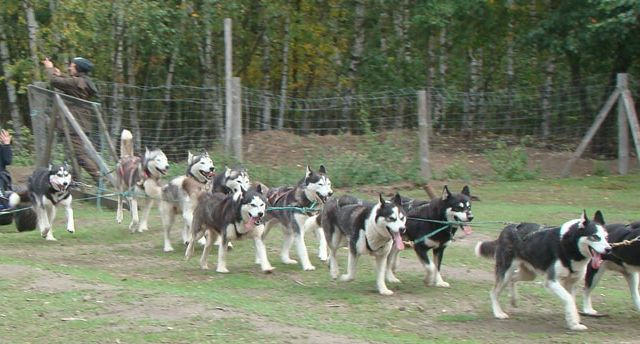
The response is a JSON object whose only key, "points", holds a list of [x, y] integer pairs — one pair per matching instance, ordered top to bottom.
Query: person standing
{"points": [[77, 84]]}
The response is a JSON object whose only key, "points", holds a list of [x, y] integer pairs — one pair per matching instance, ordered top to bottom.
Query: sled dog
{"points": [[135, 176], [231, 181], [48, 188], [180, 195], [292, 207], [233, 216], [431, 226], [365, 228], [561, 254], [623, 258]]}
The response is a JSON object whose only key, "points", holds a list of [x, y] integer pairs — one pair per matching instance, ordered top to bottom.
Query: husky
{"points": [[134, 176], [231, 181], [49, 187], [180, 195], [292, 207], [233, 216], [431, 226], [366, 228], [561, 254], [623, 258]]}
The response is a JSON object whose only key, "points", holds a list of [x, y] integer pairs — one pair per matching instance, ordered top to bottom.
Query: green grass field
{"points": [[105, 285]]}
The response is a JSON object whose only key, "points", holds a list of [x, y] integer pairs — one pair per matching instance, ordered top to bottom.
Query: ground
{"points": [[282, 148]]}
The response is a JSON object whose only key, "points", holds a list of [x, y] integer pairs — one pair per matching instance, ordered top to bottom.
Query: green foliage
{"points": [[23, 154], [510, 164], [600, 168], [458, 171]]}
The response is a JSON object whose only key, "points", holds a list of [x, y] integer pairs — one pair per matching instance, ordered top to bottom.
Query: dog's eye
{"points": [[594, 237]]}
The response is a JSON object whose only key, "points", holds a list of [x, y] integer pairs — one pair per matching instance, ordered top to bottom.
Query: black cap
{"points": [[83, 65]]}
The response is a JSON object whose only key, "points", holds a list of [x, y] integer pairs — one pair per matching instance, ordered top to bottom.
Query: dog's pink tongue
{"points": [[252, 223], [467, 229], [397, 239], [596, 260]]}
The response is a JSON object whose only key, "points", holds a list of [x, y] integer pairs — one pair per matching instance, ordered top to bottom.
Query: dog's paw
{"points": [[71, 230], [202, 241], [168, 249], [323, 258], [289, 261], [204, 266], [308, 268], [222, 270], [268, 270], [346, 278], [393, 279], [442, 284], [385, 292], [500, 315], [577, 327]]}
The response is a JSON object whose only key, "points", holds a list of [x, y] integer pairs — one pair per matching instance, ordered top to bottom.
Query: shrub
{"points": [[510, 164]]}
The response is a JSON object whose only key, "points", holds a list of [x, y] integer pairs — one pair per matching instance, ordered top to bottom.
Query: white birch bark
{"points": [[284, 74], [12, 96]]}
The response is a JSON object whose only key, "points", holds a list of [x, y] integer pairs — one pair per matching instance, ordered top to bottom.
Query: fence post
{"points": [[228, 86], [236, 120], [623, 128], [423, 136]]}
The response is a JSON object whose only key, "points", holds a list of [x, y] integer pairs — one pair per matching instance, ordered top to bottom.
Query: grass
{"points": [[103, 284]]}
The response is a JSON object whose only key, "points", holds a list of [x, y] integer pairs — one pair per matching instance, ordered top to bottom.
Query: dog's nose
{"points": [[330, 194], [260, 214], [470, 216], [403, 229], [607, 250]]}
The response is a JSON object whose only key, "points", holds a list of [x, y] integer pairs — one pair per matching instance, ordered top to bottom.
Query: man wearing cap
{"points": [[79, 85]]}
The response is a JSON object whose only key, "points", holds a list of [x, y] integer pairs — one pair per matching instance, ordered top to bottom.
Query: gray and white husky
{"points": [[136, 176], [232, 180], [48, 188], [180, 195], [292, 207], [234, 216], [366, 228], [561, 254]]}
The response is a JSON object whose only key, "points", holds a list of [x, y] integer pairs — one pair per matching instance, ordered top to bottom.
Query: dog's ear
{"points": [[189, 158], [322, 169], [308, 172], [259, 189], [465, 191], [445, 193], [237, 195], [381, 200], [397, 200], [598, 217], [583, 219]]}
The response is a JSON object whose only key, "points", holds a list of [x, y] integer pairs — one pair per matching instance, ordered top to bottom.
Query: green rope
{"points": [[300, 209]]}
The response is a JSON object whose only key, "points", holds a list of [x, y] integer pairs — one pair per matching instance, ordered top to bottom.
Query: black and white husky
{"points": [[134, 176], [232, 180], [48, 188], [180, 195], [292, 207], [233, 216], [431, 226], [366, 228], [561, 254], [623, 258]]}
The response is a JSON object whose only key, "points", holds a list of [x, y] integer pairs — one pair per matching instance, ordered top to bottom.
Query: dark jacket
{"points": [[79, 86], [6, 156]]}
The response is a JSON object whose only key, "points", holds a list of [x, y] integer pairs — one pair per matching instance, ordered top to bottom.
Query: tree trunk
{"points": [[32, 26], [355, 59], [475, 66], [118, 69], [285, 71], [266, 80], [132, 91], [547, 93], [12, 96], [440, 103], [508, 120]]}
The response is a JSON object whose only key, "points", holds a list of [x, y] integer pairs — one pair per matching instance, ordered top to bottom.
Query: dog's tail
{"points": [[126, 143], [486, 249]]}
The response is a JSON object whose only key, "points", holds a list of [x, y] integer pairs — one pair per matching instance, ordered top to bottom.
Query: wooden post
{"points": [[227, 83], [632, 116], [236, 120], [623, 129], [105, 132], [591, 132], [423, 137], [88, 146], [72, 149]]}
